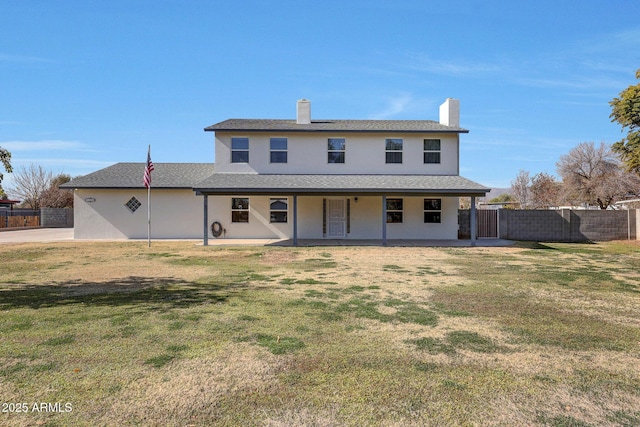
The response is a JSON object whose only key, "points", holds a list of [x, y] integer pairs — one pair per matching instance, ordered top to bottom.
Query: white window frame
{"points": [[239, 150], [279, 150], [343, 151], [395, 151], [432, 151], [236, 210], [285, 210], [433, 210], [397, 213]]}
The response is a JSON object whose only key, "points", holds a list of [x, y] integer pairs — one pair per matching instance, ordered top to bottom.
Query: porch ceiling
{"points": [[444, 185]]}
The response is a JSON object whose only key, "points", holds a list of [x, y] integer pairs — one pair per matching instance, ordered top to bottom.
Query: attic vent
{"points": [[133, 204]]}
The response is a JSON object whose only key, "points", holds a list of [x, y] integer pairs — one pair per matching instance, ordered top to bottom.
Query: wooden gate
{"points": [[19, 218], [488, 223]]}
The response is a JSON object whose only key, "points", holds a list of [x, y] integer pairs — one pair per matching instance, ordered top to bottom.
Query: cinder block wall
{"points": [[53, 217], [531, 225], [567, 225], [602, 225]]}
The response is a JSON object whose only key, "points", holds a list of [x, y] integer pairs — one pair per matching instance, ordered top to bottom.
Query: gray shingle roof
{"points": [[379, 126], [129, 175], [201, 178], [232, 183]]}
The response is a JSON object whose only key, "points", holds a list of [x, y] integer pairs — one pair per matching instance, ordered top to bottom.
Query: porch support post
{"points": [[295, 220], [384, 220], [473, 221], [205, 240]]}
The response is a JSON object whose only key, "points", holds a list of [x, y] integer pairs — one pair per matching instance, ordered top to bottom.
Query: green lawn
{"points": [[178, 335]]}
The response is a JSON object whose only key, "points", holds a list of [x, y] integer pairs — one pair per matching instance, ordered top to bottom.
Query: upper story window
{"points": [[278, 147], [393, 147], [336, 148], [239, 150], [432, 151], [394, 210], [432, 210]]}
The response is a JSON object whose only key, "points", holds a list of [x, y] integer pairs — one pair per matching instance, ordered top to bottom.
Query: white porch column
{"points": [[295, 220], [384, 220], [473, 221], [205, 240]]}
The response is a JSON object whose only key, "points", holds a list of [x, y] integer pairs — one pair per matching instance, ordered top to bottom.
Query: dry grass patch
{"points": [[179, 334], [195, 391]]}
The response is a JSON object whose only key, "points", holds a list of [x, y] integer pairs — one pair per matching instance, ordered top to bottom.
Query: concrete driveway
{"points": [[38, 235]]}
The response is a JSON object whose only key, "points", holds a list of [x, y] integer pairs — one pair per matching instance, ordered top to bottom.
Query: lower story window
{"points": [[278, 208], [240, 209], [394, 210], [432, 210]]}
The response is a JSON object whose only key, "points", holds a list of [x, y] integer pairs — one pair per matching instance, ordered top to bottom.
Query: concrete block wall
{"points": [[53, 217], [531, 225], [568, 225], [603, 225]]}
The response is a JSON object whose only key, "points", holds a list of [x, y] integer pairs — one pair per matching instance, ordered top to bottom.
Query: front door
{"points": [[336, 219]]}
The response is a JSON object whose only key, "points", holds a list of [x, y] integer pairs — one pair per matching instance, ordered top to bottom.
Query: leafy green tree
{"points": [[626, 112], [5, 159], [503, 198], [506, 199]]}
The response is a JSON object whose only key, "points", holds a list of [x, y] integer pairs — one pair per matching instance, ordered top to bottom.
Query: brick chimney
{"points": [[304, 112], [450, 113]]}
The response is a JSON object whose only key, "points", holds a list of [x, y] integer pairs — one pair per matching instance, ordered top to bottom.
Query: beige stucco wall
{"points": [[365, 154], [102, 214], [178, 214], [365, 218], [258, 227]]}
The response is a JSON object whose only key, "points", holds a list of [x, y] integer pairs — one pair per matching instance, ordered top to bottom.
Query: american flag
{"points": [[148, 169]]}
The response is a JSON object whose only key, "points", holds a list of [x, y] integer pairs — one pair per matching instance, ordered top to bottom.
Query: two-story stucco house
{"points": [[293, 179]]}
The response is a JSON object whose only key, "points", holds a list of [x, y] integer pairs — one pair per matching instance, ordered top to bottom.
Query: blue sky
{"points": [[85, 84]]}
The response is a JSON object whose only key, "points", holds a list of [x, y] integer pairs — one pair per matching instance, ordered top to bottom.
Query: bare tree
{"points": [[594, 175], [30, 183], [520, 188], [544, 191], [54, 196]]}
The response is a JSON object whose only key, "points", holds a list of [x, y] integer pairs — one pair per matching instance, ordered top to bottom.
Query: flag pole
{"points": [[147, 183], [149, 214]]}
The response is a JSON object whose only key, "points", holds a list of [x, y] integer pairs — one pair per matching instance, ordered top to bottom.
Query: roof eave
{"points": [[211, 129], [94, 187], [329, 192]]}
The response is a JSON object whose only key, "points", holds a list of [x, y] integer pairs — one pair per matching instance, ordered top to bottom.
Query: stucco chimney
{"points": [[304, 112], [450, 112]]}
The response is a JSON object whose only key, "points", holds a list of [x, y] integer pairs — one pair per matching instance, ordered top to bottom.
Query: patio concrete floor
{"points": [[66, 234], [363, 242]]}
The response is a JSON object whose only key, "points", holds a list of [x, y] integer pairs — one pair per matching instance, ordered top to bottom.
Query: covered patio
{"points": [[379, 186]]}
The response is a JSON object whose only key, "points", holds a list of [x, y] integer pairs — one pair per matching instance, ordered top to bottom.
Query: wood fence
{"points": [[19, 218]]}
